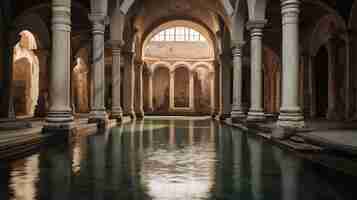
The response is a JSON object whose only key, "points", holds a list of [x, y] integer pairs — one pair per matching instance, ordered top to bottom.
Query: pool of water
{"points": [[173, 159]]}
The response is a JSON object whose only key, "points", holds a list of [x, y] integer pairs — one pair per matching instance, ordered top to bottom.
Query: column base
{"points": [[117, 115], [140, 115], [332, 115], [224, 116], [238, 116], [256, 116], [58, 117], [98, 117], [291, 119], [60, 129]]}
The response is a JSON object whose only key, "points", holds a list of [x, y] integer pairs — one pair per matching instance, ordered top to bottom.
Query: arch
{"points": [[34, 24], [327, 27], [203, 30], [158, 64], [180, 64], [207, 65], [26, 75], [80, 81], [161, 83], [181, 87], [203, 88]]}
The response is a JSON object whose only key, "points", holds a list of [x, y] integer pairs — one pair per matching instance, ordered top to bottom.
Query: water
{"points": [[167, 160]]}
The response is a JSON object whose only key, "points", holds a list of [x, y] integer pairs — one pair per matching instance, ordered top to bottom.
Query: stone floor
{"points": [[332, 135]]}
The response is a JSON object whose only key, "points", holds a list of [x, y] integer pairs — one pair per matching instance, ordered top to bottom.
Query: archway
{"points": [[181, 45], [25, 77], [271, 82], [321, 82], [203, 83], [80, 86], [182, 87], [161, 93]]}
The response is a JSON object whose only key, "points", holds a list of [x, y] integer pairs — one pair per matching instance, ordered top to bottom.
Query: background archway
{"points": [[25, 77], [182, 87], [161, 96]]}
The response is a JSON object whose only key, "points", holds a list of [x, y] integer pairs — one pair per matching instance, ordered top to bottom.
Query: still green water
{"points": [[164, 160]]}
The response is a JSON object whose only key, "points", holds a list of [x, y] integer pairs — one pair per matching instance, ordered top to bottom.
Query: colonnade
{"points": [[60, 110], [290, 112]]}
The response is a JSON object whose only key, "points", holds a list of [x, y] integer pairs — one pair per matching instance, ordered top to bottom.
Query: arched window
{"points": [[179, 34]]}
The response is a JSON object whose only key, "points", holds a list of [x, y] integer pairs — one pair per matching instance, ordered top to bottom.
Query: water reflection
{"points": [[166, 160]]}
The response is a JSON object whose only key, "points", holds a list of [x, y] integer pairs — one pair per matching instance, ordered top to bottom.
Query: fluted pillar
{"points": [[129, 85], [192, 90], [172, 91], [150, 93], [140, 100], [237, 108], [331, 110], [60, 112], [117, 112], [256, 112], [290, 112], [98, 113]]}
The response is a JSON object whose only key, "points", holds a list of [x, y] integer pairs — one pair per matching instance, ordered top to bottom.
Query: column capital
{"points": [[290, 10], [99, 21], [256, 24], [237, 44], [116, 45]]}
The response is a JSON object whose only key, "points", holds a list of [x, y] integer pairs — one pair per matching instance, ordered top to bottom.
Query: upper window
{"points": [[178, 34]]}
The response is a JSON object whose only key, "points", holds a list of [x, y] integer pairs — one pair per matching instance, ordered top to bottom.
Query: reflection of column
{"points": [[129, 84], [172, 90], [150, 92], [192, 92], [140, 106], [237, 109], [331, 111], [60, 112], [117, 112], [256, 112], [290, 112], [98, 113], [172, 133], [151, 134], [191, 137], [237, 139], [98, 146], [256, 149], [116, 156], [290, 168], [60, 174]]}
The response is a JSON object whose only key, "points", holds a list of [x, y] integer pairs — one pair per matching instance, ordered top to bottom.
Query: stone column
{"points": [[348, 79], [226, 83], [129, 85], [312, 86], [213, 89], [172, 90], [192, 90], [150, 92], [140, 103], [218, 103], [237, 109], [331, 110], [117, 112], [256, 112], [290, 112], [98, 113], [60, 116]]}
